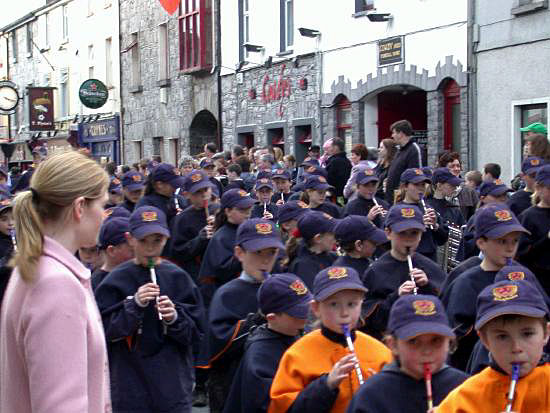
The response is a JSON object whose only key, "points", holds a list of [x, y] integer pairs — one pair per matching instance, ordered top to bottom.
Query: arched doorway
{"points": [[203, 130]]}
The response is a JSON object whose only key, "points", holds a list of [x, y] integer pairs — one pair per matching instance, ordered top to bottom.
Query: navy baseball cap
{"points": [[310, 162], [206, 163], [531, 164], [315, 170], [427, 171], [165, 172], [263, 174], [281, 174], [444, 175], [543, 175], [366, 176], [414, 176], [196, 180], [132, 181], [316, 182], [263, 183], [115, 185], [493, 188], [236, 198], [5, 202], [292, 210], [116, 212], [402, 217], [148, 220], [496, 220], [315, 222], [357, 227], [112, 232], [257, 234], [515, 272], [334, 279], [284, 293], [509, 297], [413, 315]]}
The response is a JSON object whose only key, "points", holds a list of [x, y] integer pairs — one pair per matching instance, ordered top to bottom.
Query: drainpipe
{"points": [[472, 38], [219, 70], [122, 151]]}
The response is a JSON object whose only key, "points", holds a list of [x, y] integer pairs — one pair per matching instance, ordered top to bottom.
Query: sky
{"points": [[13, 10]]}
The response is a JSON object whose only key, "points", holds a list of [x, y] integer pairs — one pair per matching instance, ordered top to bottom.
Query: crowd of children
{"points": [[265, 293]]}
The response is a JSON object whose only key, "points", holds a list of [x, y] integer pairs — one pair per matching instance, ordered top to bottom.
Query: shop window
{"points": [[287, 24], [195, 35], [531, 114], [451, 117], [343, 120], [302, 136], [276, 137], [246, 139], [158, 147], [138, 150]]}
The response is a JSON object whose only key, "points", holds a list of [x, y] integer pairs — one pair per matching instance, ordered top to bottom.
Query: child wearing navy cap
{"points": [[207, 165], [282, 180], [444, 185], [315, 188], [132, 189], [411, 191], [114, 192], [521, 200], [366, 203], [264, 208], [288, 216], [194, 226], [497, 234], [358, 238], [113, 246], [534, 247], [315, 251], [219, 264], [391, 275], [284, 301], [234, 307], [154, 320], [512, 322], [420, 337], [318, 373]]}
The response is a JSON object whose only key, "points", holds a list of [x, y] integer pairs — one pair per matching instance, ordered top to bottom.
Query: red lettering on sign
{"points": [[278, 90]]}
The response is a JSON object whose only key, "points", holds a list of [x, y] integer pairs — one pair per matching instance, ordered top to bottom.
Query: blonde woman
{"points": [[52, 347]]}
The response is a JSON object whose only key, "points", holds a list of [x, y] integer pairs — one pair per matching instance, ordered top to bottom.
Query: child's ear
{"points": [[387, 230], [316, 238], [480, 243], [358, 245], [239, 253], [315, 308], [270, 317], [546, 333], [483, 338]]}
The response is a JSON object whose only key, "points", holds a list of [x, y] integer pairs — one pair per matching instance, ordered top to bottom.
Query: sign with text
{"points": [[391, 51], [93, 94], [41, 108]]}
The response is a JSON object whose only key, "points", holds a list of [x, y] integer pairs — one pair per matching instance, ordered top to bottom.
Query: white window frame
{"points": [[65, 22], [246, 25], [288, 28], [47, 31], [29, 38], [164, 52], [135, 60], [109, 62], [515, 133]]}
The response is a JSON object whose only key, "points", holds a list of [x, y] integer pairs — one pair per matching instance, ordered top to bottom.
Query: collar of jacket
{"points": [[336, 337]]}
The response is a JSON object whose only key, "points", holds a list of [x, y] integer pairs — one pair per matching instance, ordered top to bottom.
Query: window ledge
{"points": [[530, 8], [285, 53], [163, 83], [136, 89]]}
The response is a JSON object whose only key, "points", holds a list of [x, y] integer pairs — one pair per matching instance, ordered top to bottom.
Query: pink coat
{"points": [[53, 356]]}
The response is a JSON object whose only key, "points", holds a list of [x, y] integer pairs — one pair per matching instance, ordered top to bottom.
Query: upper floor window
{"points": [[364, 5], [522, 7], [65, 13], [287, 24], [244, 28], [46, 30], [195, 35], [29, 40], [14, 46], [164, 55]]}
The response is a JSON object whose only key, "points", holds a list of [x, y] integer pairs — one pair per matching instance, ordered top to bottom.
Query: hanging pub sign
{"points": [[391, 51], [93, 94], [41, 108]]}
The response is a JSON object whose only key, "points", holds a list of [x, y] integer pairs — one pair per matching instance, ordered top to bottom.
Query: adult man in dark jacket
{"points": [[408, 155], [338, 166]]}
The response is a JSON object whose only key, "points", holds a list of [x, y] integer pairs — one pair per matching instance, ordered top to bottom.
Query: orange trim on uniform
{"points": [[223, 350]]}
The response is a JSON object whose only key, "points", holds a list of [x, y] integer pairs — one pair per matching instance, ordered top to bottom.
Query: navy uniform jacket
{"points": [[217, 183], [277, 197], [520, 201], [164, 203], [129, 205], [362, 206], [333, 210], [258, 211], [449, 213], [189, 242], [468, 247], [534, 249], [219, 264], [307, 264], [358, 264], [458, 270], [97, 277], [383, 279], [151, 363], [250, 390], [392, 391]]}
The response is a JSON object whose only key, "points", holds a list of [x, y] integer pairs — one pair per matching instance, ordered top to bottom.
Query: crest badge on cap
{"points": [[535, 162], [310, 169], [280, 171], [418, 171], [369, 172], [196, 177], [136, 178], [322, 179], [264, 181], [242, 193], [302, 204], [407, 212], [107, 213], [503, 215], [149, 216], [264, 228], [337, 272], [516, 276], [298, 287], [505, 292], [424, 307]]}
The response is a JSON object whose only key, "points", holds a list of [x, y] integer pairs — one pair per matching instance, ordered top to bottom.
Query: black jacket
{"points": [[408, 156], [338, 169]]}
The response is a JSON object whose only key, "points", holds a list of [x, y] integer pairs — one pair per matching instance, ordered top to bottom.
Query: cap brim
{"points": [[526, 129], [418, 179], [365, 181], [455, 181], [177, 182], [200, 185], [133, 187], [258, 187], [321, 187], [116, 190], [499, 191], [243, 203], [4, 207], [409, 224], [145, 230], [502, 230], [378, 237], [262, 243], [336, 287], [299, 310], [526, 311], [426, 327]]}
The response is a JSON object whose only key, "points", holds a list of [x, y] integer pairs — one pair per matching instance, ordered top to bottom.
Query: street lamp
{"points": [[379, 17], [309, 32], [253, 48]]}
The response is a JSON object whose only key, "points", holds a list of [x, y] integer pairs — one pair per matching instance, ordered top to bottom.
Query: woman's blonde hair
{"points": [[54, 186]]}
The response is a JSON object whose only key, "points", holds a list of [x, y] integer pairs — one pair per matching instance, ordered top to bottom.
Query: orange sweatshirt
{"points": [[314, 355], [487, 392]]}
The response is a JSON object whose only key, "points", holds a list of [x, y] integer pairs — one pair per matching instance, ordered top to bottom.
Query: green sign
{"points": [[93, 93]]}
